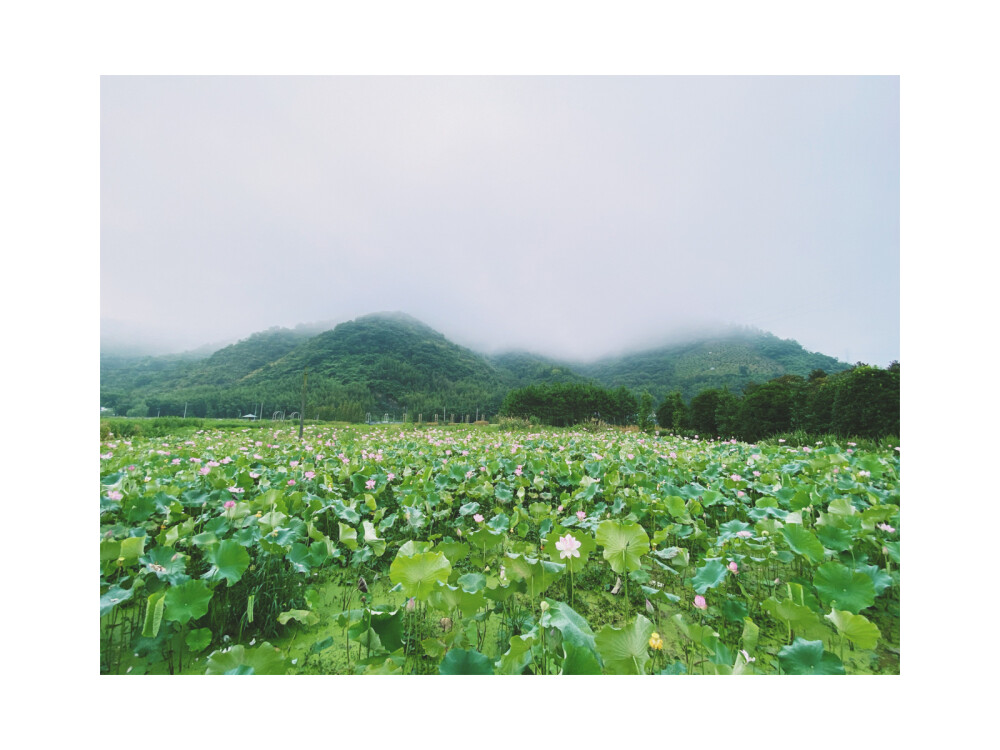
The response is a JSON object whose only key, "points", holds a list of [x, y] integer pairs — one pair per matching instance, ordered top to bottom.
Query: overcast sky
{"points": [[572, 216]]}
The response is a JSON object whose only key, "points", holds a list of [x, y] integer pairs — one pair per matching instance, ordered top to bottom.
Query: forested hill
{"points": [[732, 361], [391, 362]]}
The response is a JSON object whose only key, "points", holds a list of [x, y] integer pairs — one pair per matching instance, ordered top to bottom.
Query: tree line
{"points": [[861, 402]]}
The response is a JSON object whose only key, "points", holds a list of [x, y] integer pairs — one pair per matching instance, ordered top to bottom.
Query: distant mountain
{"points": [[732, 360], [391, 362]]}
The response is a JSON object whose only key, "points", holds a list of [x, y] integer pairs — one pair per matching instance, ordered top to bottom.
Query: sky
{"points": [[570, 216]]}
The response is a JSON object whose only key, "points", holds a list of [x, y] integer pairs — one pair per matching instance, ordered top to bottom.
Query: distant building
{"points": [[249, 416]]}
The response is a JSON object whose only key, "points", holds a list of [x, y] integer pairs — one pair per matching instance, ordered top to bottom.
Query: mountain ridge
{"points": [[388, 362]]}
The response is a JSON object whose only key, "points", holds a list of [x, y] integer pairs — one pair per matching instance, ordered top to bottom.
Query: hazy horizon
{"points": [[573, 217]]}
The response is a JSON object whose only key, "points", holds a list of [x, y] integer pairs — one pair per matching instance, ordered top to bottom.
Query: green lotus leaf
{"points": [[677, 508], [139, 509], [468, 509], [499, 523], [730, 529], [348, 536], [484, 538], [204, 539], [372, 539], [839, 540], [803, 542], [624, 543], [587, 545], [411, 548], [132, 549], [892, 550], [454, 551], [299, 557], [229, 560], [166, 564], [420, 573], [537, 575], [708, 576], [880, 579], [472, 582], [841, 588], [113, 597], [447, 598], [189, 601], [734, 610], [154, 614], [304, 616], [802, 620], [389, 627], [574, 628], [858, 629], [198, 639], [625, 650], [518, 655], [808, 657], [264, 659], [579, 660], [465, 661]]}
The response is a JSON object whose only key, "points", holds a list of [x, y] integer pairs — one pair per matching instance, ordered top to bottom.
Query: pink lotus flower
{"points": [[204, 470], [310, 475], [390, 476], [291, 482], [370, 484], [740, 493], [115, 495], [229, 504], [559, 509], [581, 515], [477, 518], [886, 527], [744, 534], [568, 546], [734, 567], [699, 602]]}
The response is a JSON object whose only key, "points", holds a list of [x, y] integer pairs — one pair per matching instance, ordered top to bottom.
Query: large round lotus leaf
{"points": [[730, 529], [836, 539], [803, 542], [624, 543], [587, 545], [454, 551], [230, 560], [166, 564], [420, 573], [537, 575], [708, 576], [880, 578], [472, 582], [841, 588], [113, 597], [189, 601], [801, 619], [575, 629], [858, 629], [198, 639], [625, 650], [518, 656], [808, 657], [264, 659], [579, 660], [462, 661]]}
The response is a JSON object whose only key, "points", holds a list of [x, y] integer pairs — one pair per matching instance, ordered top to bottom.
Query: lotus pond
{"points": [[472, 550]]}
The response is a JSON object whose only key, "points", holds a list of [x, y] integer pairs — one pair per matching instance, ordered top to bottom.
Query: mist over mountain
{"points": [[391, 363]]}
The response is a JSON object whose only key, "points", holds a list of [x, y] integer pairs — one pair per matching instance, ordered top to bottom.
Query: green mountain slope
{"points": [[729, 361], [391, 363]]}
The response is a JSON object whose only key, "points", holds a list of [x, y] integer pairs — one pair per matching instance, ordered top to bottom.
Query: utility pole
{"points": [[185, 410], [302, 411]]}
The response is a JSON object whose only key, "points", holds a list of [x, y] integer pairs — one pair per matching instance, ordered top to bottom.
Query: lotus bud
{"points": [[544, 606]]}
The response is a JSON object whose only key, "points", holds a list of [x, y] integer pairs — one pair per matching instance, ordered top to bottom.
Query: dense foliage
{"points": [[476, 551]]}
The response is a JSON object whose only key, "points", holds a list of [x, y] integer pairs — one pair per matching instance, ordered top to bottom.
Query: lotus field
{"points": [[474, 550]]}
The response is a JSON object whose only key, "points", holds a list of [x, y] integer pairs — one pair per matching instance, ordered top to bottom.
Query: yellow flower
{"points": [[655, 643]]}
